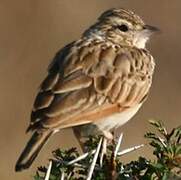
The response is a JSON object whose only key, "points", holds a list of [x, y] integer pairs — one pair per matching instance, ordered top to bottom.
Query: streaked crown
{"points": [[123, 14]]}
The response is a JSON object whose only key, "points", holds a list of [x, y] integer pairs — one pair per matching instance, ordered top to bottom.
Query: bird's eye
{"points": [[123, 28]]}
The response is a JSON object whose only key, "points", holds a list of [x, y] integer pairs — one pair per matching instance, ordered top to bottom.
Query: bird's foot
{"points": [[108, 135]]}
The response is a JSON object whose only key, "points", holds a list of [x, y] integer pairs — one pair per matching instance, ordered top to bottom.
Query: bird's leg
{"points": [[108, 135], [79, 139], [113, 140], [81, 143], [112, 163]]}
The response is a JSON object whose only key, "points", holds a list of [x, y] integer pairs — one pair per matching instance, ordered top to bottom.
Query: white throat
{"points": [[140, 42]]}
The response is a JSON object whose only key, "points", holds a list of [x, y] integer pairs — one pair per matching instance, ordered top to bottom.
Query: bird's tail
{"points": [[32, 149]]}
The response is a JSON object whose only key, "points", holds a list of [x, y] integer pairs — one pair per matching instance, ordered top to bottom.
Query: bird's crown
{"points": [[120, 13], [121, 26]]}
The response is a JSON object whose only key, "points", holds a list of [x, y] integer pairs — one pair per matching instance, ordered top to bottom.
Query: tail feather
{"points": [[32, 149]]}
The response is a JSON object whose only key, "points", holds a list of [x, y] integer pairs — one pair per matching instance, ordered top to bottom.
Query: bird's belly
{"points": [[118, 119]]}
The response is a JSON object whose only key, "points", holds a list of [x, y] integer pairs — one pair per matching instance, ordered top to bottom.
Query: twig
{"points": [[162, 141], [118, 145], [103, 150], [125, 151], [81, 157], [75, 164], [86, 166], [91, 169], [48, 171], [69, 175], [62, 176]]}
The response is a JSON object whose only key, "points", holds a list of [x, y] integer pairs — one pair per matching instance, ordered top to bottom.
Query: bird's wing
{"points": [[88, 82]]}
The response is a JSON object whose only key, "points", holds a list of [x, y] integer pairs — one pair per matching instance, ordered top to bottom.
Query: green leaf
{"points": [[159, 125], [178, 149], [166, 164], [165, 176]]}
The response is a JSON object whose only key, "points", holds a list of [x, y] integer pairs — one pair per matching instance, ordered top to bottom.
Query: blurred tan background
{"points": [[32, 31]]}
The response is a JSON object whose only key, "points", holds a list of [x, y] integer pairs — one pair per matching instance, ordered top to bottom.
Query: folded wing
{"points": [[88, 82]]}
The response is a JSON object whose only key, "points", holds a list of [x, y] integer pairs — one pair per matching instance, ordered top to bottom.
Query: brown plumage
{"points": [[96, 83]]}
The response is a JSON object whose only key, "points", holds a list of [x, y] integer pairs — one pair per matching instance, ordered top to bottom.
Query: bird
{"points": [[94, 84]]}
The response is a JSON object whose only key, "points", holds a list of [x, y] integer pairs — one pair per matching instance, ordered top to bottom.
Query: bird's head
{"points": [[121, 27]]}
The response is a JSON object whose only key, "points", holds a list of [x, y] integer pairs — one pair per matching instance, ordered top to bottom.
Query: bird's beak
{"points": [[149, 30]]}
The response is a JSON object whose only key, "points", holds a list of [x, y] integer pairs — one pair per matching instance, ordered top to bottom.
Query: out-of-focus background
{"points": [[32, 31]]}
